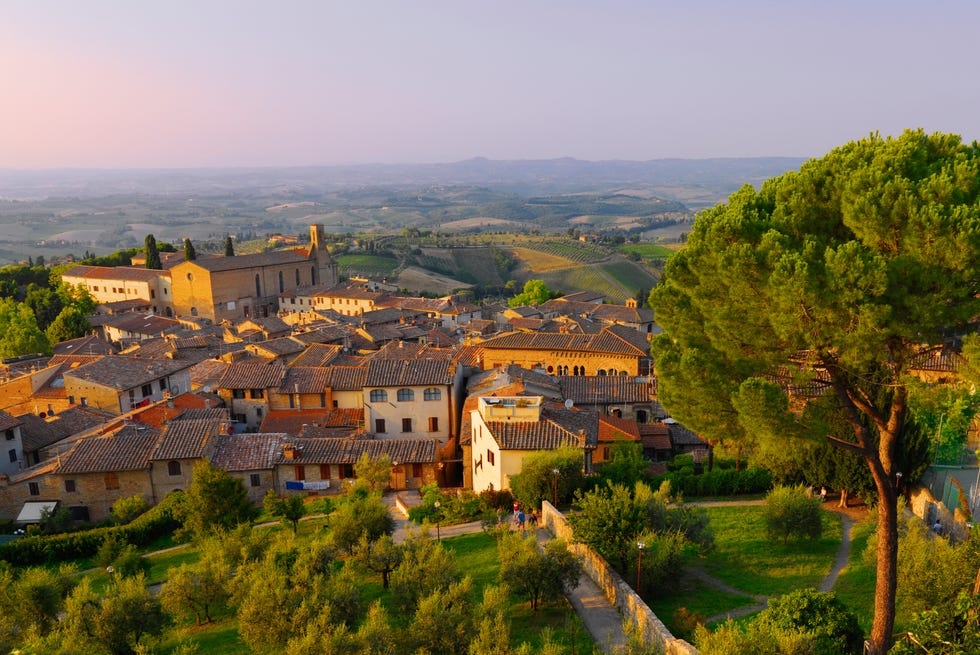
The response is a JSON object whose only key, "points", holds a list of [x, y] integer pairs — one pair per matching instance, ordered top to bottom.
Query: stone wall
{"points": [[924, 505], [620, 594]]}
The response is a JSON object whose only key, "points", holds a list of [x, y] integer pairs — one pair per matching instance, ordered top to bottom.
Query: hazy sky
{"points": [[136, 83]]}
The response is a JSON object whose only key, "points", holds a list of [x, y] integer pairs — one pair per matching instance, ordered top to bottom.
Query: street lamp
{"points": [[898, 482], [554, 488], [437, 505], [639, 563], [110, 571]]}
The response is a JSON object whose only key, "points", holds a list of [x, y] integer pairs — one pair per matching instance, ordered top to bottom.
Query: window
{"points": [[313, 274], [297, 277], [258, 287], [282, 287], [153, 294], [163, 385], [146, 390], [237, 393], [255, 394], [432, 394], [378, 395], [405, 395], [132, 397], [323, 400], [292, 401], [334, 403], [258, 412], [433, 424], [379, 425], [406, 425], [9, 434], [605, 452], [12, 454], [490, 457], [173, 468], [324, 469], [416, 470], [347, 471], [300, 472], [255, 480], [111, 481], [69, 486], [33, 489]]}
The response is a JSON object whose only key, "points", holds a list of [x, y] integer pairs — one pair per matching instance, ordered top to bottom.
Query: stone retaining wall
{"points": [[924, 505], [620, 594]]}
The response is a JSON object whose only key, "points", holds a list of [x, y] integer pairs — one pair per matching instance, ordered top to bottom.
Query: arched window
{"points": [[258, 287], [282, 287], [193, 311], [575, 370], [601, 371], [432, 394], [378, 395], [405, 395], [641, 416], [173, 468]]}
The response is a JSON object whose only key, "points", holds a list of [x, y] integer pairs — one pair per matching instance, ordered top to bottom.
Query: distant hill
{"points": [[694, 182]]}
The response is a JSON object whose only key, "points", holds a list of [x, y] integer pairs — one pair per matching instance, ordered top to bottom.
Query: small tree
{"points": [[229, 247], [152, 253], [189, 253], [535, 292], [71, 323], [375, 474], [538, 481], [214, 500], [289, 509], [125, 510], [791, 511], [362, 513], [609, 521], [381, 556], [425, 567], [541, 576], [196, 589], [443, 621], [115, 623], [833, 628]]}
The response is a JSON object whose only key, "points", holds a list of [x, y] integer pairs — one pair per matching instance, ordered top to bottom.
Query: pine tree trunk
{"points": [[887, 566]]}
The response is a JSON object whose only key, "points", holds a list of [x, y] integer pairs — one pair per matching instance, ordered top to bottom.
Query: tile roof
{"points": [[273, 258], [124, 273], [137, 323], [328, 334], [605, 341], [87, 345], [279, 347], [317, 354], [122, 372], [208, 373], [405, 373], [253, 374], [346, 378], [304, 379], [606, 389], [200, 413], [78, 419], [7, 421], [293, 421], [612, 428], [36, 433], [537, 435], [655, 436], [681, 436], [188, 438], [126, 449], [348, 451], [247, 452]]}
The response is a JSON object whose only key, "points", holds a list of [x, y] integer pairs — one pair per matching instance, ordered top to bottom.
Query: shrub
{"points": [[791, 511], [820, 616]]}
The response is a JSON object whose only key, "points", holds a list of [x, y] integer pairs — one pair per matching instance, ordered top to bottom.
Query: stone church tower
{"points": [[326, 267]]}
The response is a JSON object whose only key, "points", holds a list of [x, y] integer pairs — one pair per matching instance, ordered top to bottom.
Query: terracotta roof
{"points": [[273, 258], [123, 273], [141, 323], [329, 334], [605, 341], [87, 345], [277, 347], [412, 350], [317, 354], [121, 372], [208, 373], [405, 373], [253, 375], [346, 378], [304, 379], [605, 389], [200, 413], [78, 419], [292, 421], [612, 428], [537, 435], [655, 436], [681, 436], [187, 439], [127, 449], [348, 451], [247, 452]]}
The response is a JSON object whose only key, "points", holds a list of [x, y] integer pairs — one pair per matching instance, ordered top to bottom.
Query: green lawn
{"points": [[648, 250], [747, 560], [856, 585], [698, 597]]}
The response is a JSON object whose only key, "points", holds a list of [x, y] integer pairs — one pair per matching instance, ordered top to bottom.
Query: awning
{"points": [[31, 512]]}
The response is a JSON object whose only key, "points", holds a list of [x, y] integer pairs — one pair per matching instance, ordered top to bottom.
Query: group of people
{"points": [[823, 492], [524, 521]]}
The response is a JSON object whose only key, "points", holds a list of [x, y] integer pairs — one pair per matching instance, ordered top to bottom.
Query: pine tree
{"points": [[229, 247], [189, 253]]}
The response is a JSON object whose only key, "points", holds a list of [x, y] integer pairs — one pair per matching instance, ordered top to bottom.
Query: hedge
{"points": [[728, 482], [154, 523]]}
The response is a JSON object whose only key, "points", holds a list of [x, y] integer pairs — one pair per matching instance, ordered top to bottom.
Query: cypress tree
{"points": [[229, 247], [189, 253], [152, 254]]}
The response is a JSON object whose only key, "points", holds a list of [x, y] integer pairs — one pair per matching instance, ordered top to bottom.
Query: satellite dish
{"points": [[569, 403]]}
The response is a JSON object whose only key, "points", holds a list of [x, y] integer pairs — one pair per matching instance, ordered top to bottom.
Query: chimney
{"points": [[290, 452]]}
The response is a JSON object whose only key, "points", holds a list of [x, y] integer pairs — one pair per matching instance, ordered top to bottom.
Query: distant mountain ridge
{"points": [[683, 180]]}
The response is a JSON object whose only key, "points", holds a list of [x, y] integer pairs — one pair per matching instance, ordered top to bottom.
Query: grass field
{"points": [[648, 250], [537, 261], [366, 264], [628, 274]]}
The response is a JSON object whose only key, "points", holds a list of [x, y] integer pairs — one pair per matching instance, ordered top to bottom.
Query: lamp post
{"points": [[898, 482], [554, 488], [437, 505], [639, 563], [110, 571]]}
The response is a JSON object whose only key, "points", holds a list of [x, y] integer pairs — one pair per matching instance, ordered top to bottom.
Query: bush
{"points": [[720, 482], [791, 511], [77, 545], [820, 616]]}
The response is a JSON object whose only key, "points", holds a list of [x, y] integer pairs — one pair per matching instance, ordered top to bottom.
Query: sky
{"points": [[215, 83]]}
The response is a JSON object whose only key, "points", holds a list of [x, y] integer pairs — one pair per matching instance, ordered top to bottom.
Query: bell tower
{"points": [[327, 273]]}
